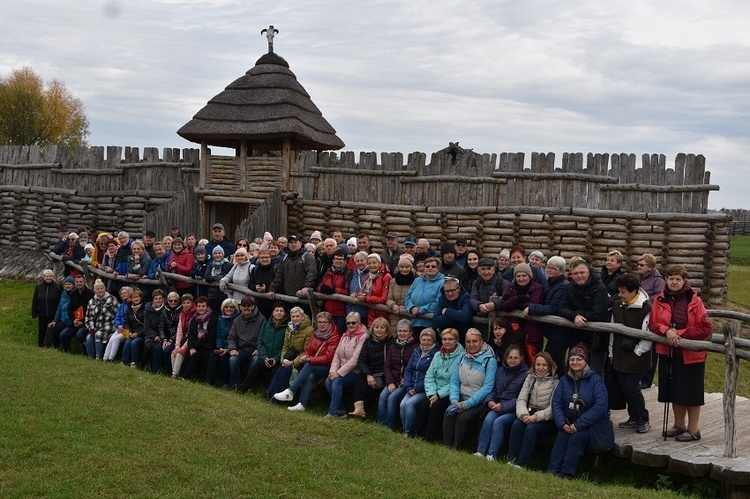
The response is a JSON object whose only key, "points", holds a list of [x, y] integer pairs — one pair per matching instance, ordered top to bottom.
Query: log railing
{"points": [[729, 343]]}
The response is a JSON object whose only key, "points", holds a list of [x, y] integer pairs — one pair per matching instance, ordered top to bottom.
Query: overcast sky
{"points": [[640, 76]]}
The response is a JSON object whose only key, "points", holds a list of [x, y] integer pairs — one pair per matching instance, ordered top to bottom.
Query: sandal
{"points": [[675, 431], [688, 436]]}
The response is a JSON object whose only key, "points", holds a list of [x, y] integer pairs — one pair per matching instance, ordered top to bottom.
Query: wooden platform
{"points": [[702, 458]]}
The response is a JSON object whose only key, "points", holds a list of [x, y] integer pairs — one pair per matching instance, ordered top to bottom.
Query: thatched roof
{"points": [[265, 104]]}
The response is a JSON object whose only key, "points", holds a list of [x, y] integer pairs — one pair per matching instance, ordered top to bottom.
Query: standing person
{"points": [[219, 239], [392, 252], [462, 253], [518, 255], [138, 262], [181, 262], [448, 265], [216, 269], [471, 269], [611, 270], [297, 273], [239, 275], [359, 275], [260, 281], [336, 281], [652, 283], [400, 284], [375, 289], [487, 290], [521, 293], [423, 295], [584, 301], [44, 303], [678, 312], [100, 315], [631, 358], [396, 359], [316, 362], [344, 370], [471, 381], [579, 402], [501, 403], [533, 410], [429, 419]]}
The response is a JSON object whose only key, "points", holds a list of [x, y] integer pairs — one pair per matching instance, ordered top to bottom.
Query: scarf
{"points": [[112, 253], [404, 280], [367, 289], [678, 302], [186, 315], [202, 321], [323, 336], [402, 343], [446, 352], [427, 353], [473, 356]]}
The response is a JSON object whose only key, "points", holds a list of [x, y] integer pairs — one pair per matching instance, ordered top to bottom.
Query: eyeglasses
{"points": [[459, 244], [642, 265], [430, 266], [454, 290], [324, 322], [351, 323]]}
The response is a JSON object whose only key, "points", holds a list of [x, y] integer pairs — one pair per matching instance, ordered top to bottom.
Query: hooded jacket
{"points": [[297, 271], [239, 275], [424, 294], [416, 370], [438, 376], [472, 379]]}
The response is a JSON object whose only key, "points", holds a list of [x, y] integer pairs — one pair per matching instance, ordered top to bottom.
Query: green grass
{"points": [[740, 250], [72, 427]]}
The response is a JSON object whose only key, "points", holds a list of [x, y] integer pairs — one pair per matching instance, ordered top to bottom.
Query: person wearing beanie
{"points": [[267, 237], [316, 237], [89, 250], [448, 265], [216, 268], [199, 270], [403, 278], [522, 292], [579, 402]]}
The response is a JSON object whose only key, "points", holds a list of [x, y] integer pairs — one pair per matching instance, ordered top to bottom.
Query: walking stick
{"points": [[668, 392]]}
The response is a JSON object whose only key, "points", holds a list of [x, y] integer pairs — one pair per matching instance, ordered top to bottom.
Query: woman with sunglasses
{"points": [[423, 295]]}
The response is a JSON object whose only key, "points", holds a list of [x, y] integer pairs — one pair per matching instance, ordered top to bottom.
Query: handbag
{"points": [[291, 354], [602, 435]]}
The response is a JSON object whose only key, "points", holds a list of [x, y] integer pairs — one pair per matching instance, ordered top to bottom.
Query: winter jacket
{"points": [[225, 244], [121, 259], [185, 263], [159, 265], [142, 267], [452, 270], [215, 271], [297, 271], [199, 273], [537, 273], [263, 274], [239, 275], [467, 278], [609, 281], [335, 282], [652, 284], [356, 285], [485, 291], [555, 291], [397, 292], [424, 294], [378, 295], [517, 298], [45, 299], [78, 300], [590, 300], [122, 311], [458, 312], [62, 313], [100, 314], [636, 315], [170, 319], [135, 320], [153, 320], [698, 324], [223, 326], [243, 335], [271, 339], [297, 340], [208, 341], [321, 351], [347, 352], [372, 357], [397, 358], [416, 370], [438, 377], [472, 379], [508, 383], [589, 388], [536, 393]]}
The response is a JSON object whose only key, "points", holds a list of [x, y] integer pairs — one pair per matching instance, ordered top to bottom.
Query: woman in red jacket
{"points": [[181, 262], [336, 280], [375, 289], [677, 313]]}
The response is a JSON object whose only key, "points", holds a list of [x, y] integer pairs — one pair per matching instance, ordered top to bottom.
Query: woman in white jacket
{"points": [[239, 275]]}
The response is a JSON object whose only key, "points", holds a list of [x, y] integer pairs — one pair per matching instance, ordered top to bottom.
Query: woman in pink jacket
{"points": [[344, 370]]}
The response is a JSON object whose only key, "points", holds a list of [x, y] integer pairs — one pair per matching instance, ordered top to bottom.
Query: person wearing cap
{"points": [[174, 231], [149, 238], [219, 239], [62, 243], [410, 246], [462, 250], [392, 252], [448, 265], [297, 273], [239, 275], [402, 280], [487, 291], [522, 292], [587, 300], [44, 303], [453, 309], [559, 338], [579, 402]]}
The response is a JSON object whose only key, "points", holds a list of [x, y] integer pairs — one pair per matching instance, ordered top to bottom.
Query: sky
{"points": [[634, 76]]}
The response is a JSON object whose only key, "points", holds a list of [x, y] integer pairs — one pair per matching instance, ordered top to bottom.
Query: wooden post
{"points": [[286, 159], [243, 164], [87, 274], [731, 330]]}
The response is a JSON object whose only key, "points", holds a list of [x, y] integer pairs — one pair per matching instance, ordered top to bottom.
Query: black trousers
{"points": [[631, 390], [429, 420]]}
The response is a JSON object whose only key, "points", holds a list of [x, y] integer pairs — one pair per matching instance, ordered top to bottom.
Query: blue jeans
{"points": [[67, 335], [93, 347], [131, 352], [161, 356], [235, 365], [306, 380], [279, 382], [336, 390], [388, 405], [409, 407], [493, 432], [523, 439], [567, 452]]}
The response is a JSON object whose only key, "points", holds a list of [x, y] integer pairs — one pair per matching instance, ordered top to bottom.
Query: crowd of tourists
{"points": [[425, 369]]}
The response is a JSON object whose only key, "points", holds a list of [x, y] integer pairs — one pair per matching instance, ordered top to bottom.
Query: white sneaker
{"points": [[285, 396], [297, 408], [479, 454], [490, 458]]}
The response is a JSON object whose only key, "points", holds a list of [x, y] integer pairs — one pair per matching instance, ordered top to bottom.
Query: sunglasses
{"points": [[430, 266], [351, 323]]}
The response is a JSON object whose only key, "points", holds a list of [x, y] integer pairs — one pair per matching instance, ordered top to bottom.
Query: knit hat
{"points": [[83, 234], [316, 235], [267, 237], [352, 241], [88, 247], [447, 248], [200, 249], [219, 249], [240, 251], [406, 259], [522, 267], [69, 279], [579, 350]]}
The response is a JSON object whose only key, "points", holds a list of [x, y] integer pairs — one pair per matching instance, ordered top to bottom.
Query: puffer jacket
{"points": [[185, 263], [239, 275], [335, 281], [378, 295], [424, 295], [516, 298], [457, 312], [153, 319], [698, 325], [223, 326], [271, 339], [297, 340], [320, 350], [347, 352], [371, 358], [397, 358], [416, 370], [472, 379], [437, 381], [508, 382], [589, 388], [536, 393]]}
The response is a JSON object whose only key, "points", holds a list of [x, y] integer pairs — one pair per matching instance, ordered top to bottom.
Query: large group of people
{"points": [[420, 361]]}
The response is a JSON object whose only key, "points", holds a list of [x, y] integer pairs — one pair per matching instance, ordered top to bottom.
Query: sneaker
{"points": [[132, 365], [285, 396], [297, 408], [630, 424], [643, 427], [478, 454], [490, 458], [511, 463]]}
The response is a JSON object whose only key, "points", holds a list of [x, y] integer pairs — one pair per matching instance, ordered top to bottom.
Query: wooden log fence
{"points": [[728, 343]]}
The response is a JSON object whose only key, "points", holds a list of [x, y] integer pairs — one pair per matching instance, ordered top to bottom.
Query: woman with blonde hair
{"points": [[371, 365]]}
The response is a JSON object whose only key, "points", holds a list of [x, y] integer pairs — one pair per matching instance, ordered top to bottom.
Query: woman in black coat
{"points": [[44, 303]]}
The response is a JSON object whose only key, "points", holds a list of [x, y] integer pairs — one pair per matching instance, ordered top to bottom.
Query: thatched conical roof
{"points": [[266, 104]]}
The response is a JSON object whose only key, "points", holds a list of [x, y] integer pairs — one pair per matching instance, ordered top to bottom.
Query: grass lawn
{"points": [[740, 250], [72, 427]]}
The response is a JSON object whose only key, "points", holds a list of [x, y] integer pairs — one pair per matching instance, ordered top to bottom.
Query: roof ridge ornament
{"points": [[270, 33]]}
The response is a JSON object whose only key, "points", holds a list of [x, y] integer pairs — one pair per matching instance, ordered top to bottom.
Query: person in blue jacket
{"points": [[423, 295], [453, 308], [62, 318], [472, 380], [579, 401]]}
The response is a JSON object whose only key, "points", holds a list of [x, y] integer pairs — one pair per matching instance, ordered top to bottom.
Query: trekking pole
{"points": [[668, 393]]}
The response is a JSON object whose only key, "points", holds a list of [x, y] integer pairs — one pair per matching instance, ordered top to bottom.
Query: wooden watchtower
{"points": [[268, 118]]}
